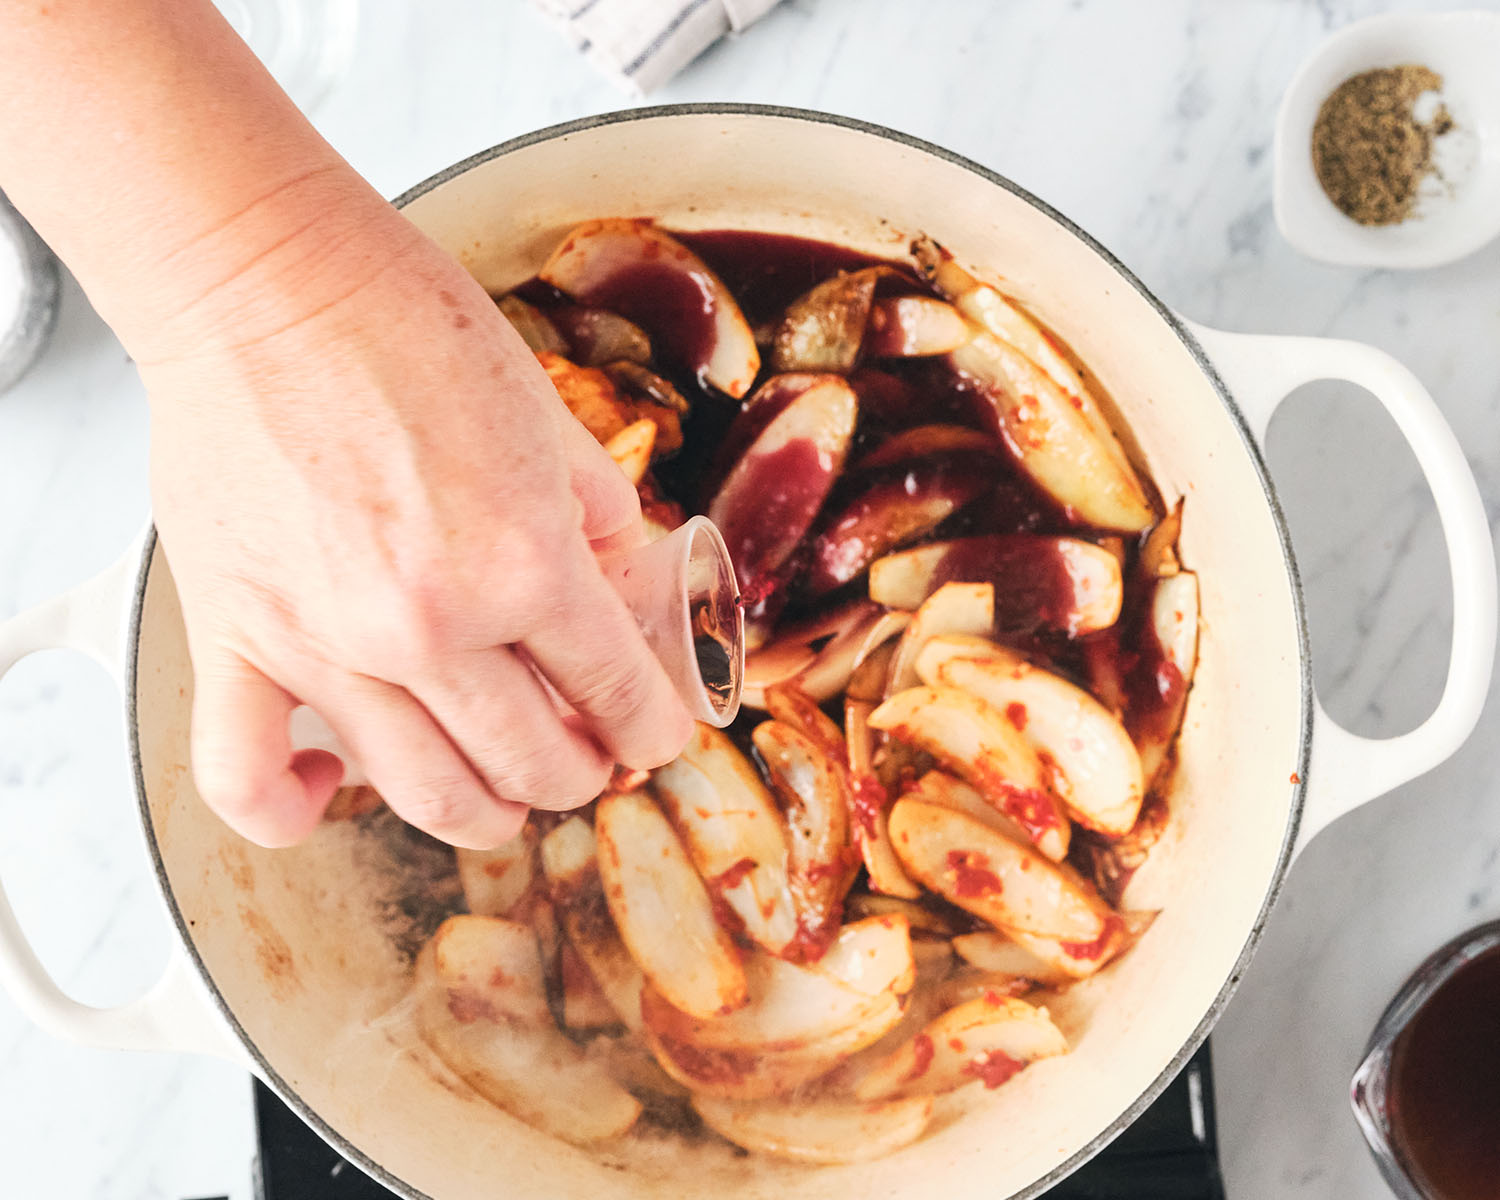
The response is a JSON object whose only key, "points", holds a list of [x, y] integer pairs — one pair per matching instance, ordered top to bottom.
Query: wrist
{"points": [[295, 250]]}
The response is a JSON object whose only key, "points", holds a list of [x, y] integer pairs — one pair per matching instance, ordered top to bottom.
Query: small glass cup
{"points": [[682, 591], [1370, 1091]]}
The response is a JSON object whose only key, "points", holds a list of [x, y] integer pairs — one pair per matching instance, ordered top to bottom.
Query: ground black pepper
{"points": [[1369, 150]]}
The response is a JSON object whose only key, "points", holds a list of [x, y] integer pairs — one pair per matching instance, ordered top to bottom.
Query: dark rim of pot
{"points": [[318, 1122]]}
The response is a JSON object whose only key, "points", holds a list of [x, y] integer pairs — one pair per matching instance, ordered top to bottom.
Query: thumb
{"points": [[610, 509], [243, 761]]}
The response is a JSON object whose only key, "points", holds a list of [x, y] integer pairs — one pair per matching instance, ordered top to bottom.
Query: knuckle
{"points": [[525, 550], [399, 631], [619, 695], [641, 724], [551, 775], [233, 796], [443, 806], [505, 825]]}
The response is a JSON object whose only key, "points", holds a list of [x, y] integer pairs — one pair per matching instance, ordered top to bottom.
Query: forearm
{"points": [[151, 149]]}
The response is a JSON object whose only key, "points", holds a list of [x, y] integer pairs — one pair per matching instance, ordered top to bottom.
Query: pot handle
{"points": [[1348, 770], [175, 1013]]}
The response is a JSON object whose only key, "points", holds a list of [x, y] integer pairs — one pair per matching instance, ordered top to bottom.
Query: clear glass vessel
{"points": [[306, 44], [1374, 1089]]}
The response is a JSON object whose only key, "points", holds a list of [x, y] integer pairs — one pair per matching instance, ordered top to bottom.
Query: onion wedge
{"points": [[647, 276], [913, 326], [1060, 439], [631, 448], [1059, 583], [955, 608], [1165, 673], [979, 745], [1098, 761], [810, 782], [869, 805], [733, 833], [569, 857], [998, 879], [494, 881], [662, 908], [483, 1011], [990, 1039], [824, 1132]]}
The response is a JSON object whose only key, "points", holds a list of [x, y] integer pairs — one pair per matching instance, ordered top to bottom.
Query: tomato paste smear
{"points": [[869, 801], [972, 876], [1106, 941], [922, 1051], [994, 1067]]}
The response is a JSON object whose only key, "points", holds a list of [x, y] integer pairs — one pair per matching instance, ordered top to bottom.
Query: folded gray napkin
{"points": [[642, 43]]}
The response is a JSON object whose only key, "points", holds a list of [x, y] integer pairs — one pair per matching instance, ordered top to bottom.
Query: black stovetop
{"points": [[1170, 1153]]}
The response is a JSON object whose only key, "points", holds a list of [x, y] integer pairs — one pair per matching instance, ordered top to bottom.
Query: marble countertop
{"points": [[1150, 125]]}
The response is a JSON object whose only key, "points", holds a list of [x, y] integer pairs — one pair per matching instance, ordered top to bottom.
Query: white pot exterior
{"points": [[293, 944]]}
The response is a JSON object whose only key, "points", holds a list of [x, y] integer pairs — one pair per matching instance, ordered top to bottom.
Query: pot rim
{"points": [[1294, 818]]}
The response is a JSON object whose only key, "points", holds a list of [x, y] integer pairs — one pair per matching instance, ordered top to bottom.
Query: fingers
{"points": [[611, 510], [592, 651], [494, 707], [242, 755], [415, 766]]}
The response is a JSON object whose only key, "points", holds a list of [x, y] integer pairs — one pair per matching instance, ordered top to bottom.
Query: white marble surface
{"points": [[1149, 124]]}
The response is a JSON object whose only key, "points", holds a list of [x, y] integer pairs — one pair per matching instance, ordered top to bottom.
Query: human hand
{"points": [[374, 503]]}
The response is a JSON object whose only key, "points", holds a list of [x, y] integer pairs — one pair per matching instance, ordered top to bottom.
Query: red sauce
{"points": [[767, 271], [674, 305], [887, 399], [759, 409], [775, 501], [890, 513], [1033, 586], [1169, 684], [1154, 686], [1015, 712], [870, 800], [1032, 809], [1036, 811], [819, 871], [972, 875], [733, 876], [724, 913], [812, 939], [1093, 951], [575, 975], [467, 1008], [922, 1051], [708, 1066], [994, 1067], [1444, 1089]]}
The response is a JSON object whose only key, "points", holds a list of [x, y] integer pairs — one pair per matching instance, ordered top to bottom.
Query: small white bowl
{"points": [[1454, 216]]}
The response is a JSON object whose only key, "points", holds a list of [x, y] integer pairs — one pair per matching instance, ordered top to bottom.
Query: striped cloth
{"points": [[642, 43]]}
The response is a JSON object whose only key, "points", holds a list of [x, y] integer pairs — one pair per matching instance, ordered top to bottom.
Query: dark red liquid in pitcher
{"points": [[1443, 1097]]}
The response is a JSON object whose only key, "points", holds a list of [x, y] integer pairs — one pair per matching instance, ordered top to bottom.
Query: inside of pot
{"points": [[311, 948]]}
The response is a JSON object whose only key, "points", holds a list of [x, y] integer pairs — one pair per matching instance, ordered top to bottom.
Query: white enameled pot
{"points": [[290, 961]]}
